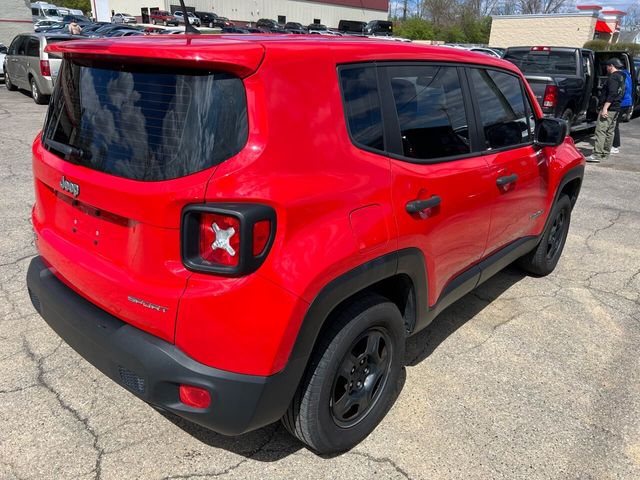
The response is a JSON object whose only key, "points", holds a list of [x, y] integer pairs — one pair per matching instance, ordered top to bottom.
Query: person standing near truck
{"points": [[612, 93], [625, 107]]}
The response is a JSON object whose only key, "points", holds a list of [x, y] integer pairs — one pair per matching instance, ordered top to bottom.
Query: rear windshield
{"points": [[550, 62], [143, 124]]}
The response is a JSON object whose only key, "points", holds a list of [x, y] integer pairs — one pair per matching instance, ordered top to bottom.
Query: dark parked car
{"points": [[79, 19], [211, 20], [270, 26], [316, 26], [295, 27], [352, 27], [381, 28], [566, 81]]}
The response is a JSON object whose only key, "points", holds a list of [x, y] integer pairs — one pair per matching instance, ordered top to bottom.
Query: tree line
{"points": [[462, 21]]}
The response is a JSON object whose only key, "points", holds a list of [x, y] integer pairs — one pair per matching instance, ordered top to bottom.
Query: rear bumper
{"points": [[152, 368]]}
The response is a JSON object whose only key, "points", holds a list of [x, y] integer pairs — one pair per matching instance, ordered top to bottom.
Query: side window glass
{"points": [[20, 46], [33, 49], [362, 106], [431, 113], [505, 121]]}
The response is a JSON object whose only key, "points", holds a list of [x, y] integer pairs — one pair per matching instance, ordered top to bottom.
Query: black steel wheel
{"points": [[543, 259], [353, 376], [361, 377]]}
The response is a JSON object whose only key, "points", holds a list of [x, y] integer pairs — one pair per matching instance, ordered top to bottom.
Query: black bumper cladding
{"points": [[152, 368]]}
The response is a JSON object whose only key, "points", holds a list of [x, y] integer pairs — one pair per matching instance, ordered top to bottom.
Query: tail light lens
{"points": [[45, 69], [550, 96], [219, 239], [227, 239]]}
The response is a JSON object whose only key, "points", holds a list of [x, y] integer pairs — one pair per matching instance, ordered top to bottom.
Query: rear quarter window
{"points": [[362, 106]]}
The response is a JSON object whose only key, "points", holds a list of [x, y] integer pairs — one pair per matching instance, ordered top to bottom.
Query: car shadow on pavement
{"points": [[424, 343], [273, 442], [267, 444]]}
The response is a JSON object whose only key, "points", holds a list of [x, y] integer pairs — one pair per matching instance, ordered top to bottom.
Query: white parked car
{"points": [[123, 18], [192, 18], [3, 52]]}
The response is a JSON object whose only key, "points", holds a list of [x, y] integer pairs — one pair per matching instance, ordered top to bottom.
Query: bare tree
{"points": [[541, 6], [481, 8], [440, 12], [632, 19]]}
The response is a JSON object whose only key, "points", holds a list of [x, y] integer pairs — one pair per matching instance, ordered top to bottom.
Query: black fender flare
{"points": [[408, 261]]}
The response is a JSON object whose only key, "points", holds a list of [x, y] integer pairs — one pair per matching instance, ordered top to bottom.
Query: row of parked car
{"points": [[566, 81]]}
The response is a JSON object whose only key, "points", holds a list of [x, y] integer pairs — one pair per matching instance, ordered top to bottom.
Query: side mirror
{"points": [[550, 132]]}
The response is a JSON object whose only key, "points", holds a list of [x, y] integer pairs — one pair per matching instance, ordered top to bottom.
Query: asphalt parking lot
{"points": [[524, 378]]}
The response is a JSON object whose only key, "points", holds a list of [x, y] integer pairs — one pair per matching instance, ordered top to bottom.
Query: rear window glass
{"points": [[550, 62], [143, 124]]}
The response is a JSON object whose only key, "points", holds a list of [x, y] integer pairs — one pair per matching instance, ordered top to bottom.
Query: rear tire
{"points": [[36, 94], [567, 115], [543, 259], [352, 379]]}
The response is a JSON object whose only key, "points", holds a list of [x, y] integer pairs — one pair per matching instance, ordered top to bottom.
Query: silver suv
{"points": [[29, 67]]}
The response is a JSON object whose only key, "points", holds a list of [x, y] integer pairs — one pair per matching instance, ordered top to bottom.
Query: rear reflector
{"points": [[45, 70], [550, 96], [261, 233], [195, 397]]}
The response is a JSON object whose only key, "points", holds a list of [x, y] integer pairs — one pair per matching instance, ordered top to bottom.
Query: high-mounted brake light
{"points": [[540, 49], [45, 69], [550, 96], [227, 238]]}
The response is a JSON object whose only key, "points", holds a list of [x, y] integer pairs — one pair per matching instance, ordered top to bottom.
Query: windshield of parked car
{"points": [[51, 12], [558, 62], [145, 124]]}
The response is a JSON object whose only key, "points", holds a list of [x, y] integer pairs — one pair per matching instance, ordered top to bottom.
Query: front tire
{"points": [[7, 82], [543, 259], [352, 379]]}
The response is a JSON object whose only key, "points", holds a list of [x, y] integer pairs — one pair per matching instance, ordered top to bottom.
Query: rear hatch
{"points": [[124, 148]]}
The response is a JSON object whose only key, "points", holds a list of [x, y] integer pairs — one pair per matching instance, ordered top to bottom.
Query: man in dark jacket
{"points": [[612, 93], [626, 108]]}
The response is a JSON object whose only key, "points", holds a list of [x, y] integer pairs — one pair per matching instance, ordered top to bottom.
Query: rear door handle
{"points": [[506, 180], [416, 206]]}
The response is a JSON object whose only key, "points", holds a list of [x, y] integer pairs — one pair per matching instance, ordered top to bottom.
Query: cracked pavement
{"points": [[523, 378]]}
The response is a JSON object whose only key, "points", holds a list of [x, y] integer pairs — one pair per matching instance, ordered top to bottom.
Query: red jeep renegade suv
{"points": [[241, 229]]}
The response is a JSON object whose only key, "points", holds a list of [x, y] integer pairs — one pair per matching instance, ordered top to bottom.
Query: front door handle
{"points": [[502, 181], [416, 206]]}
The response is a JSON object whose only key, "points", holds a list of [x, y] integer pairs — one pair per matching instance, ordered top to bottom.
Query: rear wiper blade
{"points": [[70, 152]]}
